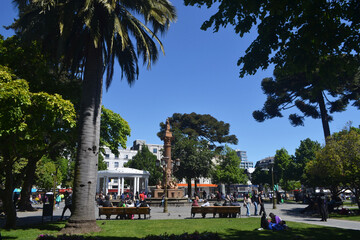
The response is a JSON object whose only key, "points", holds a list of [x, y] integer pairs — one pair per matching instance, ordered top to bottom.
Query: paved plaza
{"points": [[288, 212]]}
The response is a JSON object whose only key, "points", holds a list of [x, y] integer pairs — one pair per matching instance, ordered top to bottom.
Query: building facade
{"points": [[265, 162], [244, 164]]}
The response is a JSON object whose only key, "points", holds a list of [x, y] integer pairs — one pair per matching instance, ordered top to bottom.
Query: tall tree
{"points": [[90, 35], [312, 44], [27, 61], [315, 94], [32, 120], [201, 127], [196, 130], [305, 153], [196, 158], [145, 160], [282, 162], [337, 165], [227, 170], [261, 177]]}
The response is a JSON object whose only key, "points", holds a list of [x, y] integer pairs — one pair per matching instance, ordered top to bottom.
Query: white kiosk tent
{"points": [[115, 180]]}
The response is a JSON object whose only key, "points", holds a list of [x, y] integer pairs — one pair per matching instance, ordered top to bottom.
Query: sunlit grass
{"points": [[239, 228]]}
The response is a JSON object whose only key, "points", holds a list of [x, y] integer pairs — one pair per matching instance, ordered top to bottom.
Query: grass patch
{"points": [[345, 217], [228, 229]]}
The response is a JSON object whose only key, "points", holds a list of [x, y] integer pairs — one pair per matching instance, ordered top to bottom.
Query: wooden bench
{"points": [[123, 211], [223, 211]]}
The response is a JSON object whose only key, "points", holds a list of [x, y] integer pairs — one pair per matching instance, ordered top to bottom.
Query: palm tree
{"points": [[87, 37]]}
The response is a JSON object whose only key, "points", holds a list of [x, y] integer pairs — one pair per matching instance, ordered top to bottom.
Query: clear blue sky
{"points": [[199, 74]]}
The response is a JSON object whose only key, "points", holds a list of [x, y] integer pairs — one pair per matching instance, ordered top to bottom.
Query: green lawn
{"points": [[345, 217], [229, 229]]}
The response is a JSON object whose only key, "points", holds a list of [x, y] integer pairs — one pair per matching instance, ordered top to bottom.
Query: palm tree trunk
{"points": [[324, 115], [83, 213]]}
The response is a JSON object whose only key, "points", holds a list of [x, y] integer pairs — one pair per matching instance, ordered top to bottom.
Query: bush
{"points": [[185, 236]]}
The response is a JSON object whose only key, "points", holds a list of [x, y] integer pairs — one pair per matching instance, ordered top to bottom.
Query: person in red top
{"points": [[142, 196]]}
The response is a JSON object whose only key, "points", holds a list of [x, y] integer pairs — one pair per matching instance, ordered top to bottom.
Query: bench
{"points": [[123, 211], [223, 211]]}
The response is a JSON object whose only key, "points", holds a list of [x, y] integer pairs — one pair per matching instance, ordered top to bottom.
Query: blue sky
{"points": [[199, 74]]}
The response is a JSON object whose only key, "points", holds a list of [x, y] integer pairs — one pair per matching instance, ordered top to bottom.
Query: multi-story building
{"points": [[156, 149], [117, 161], [114, 162], [265, 162], [244, 164]]}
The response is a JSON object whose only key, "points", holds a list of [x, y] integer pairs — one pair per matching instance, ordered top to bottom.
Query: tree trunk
{"points": [[324, 115], [188, 180], [196, 186], [24, 203], [9, 207], [83, 219]]}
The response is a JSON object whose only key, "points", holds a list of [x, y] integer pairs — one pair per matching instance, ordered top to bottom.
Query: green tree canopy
{"points": [[313, 46], [27, 61], [31, 124], [200, 127], [114, 131], [305, 153], [195, 157], [145, 160], [282, 160], [337, 165], [227, 170], [46, 174], [261, 176]]}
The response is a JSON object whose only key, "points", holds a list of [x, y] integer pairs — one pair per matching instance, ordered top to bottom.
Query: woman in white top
{"points": [[247, 203]]}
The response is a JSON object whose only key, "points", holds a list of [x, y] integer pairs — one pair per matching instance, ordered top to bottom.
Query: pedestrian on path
{"points": [[261, 202], [68, 204], [247, 204]]}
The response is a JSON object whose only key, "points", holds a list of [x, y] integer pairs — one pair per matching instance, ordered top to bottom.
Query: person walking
{"points": [[57, 201], [255, 201], [261, 202], [247, 203], [68, 204], [322, 204]]}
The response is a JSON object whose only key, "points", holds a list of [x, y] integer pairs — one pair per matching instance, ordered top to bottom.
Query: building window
{"points": [[155, 150], [107, 156], [116, 156], [126, 156], [107, 164], [116, 164], [115, 181]]}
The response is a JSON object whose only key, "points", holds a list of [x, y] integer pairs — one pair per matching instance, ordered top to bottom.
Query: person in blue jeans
{"points": [[255, 201], [247, 203]]}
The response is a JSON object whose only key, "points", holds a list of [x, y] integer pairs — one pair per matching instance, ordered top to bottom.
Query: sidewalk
{"points": [[288, 212]]}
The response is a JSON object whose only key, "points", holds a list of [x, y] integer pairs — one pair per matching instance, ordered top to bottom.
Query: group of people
{"points": [[257, 199], [105, 201], [274, 223]]}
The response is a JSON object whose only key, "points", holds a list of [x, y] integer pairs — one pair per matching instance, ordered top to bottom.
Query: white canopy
{"points": [[139, 180]]}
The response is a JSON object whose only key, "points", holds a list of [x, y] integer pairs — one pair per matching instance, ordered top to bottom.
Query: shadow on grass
{"points": [[47, 225], [323, 233]]}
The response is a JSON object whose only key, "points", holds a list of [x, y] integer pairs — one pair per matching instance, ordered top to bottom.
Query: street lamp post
{"points": [[272, 183], [272, 186]]}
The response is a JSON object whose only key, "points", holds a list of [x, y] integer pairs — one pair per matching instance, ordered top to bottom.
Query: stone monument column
{"points": [[167, 153]]}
